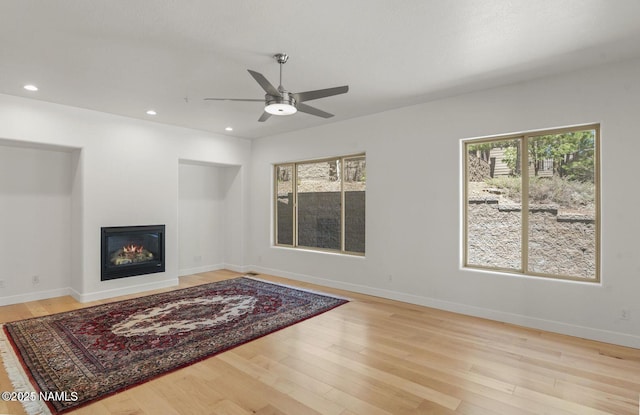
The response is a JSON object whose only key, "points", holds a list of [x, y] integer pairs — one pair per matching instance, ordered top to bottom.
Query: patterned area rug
{"points": [[76, 357]]}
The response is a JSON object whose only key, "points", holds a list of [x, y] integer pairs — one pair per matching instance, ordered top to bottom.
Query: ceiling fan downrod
{"points": [[281, 58]]}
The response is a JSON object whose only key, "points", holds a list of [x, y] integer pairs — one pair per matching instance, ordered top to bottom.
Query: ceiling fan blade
{"points": [[266, 85], [320, 93], [233, 99], [312, 110], [264, 117]]}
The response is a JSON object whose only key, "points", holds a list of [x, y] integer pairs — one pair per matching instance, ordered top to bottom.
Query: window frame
{"points": [[523, 139], [294, 217]]}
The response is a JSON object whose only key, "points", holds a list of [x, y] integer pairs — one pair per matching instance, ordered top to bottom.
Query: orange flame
{"points": [[133, 249]]}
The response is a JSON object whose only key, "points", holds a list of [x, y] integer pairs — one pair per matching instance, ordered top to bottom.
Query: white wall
{"points": [[126, 173], [206, 193], [235, 217], [35, 220], [413, 250]]}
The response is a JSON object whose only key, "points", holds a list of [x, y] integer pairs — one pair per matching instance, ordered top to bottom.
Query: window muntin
{"points": [[556, 200], [325, 209]]}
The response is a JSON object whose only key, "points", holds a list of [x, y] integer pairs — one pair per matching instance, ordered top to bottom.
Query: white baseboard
{"points": [[216, 267], [238, 268], [198, 270], [115, 292], [38, 295], [101, 295], [606, 336]]}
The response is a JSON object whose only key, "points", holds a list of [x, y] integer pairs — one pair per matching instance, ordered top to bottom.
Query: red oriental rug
{"points": [[76, 357]]}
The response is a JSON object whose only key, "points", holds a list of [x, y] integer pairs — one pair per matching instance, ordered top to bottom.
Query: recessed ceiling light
{"points": [[31, 88], [151, 112], [229, 129]]}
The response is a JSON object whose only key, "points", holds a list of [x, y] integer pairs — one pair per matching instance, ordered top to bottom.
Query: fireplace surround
{"points": [[127, 251]]}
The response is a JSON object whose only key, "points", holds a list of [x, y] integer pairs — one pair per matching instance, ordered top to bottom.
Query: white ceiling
{"points": [[127, 56]]}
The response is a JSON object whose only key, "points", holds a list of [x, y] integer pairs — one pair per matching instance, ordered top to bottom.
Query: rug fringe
{"points": [[309, 290], [18, 377]]}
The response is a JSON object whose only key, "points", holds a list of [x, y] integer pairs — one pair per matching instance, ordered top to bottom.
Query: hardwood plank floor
{"points": [[375, 356]]}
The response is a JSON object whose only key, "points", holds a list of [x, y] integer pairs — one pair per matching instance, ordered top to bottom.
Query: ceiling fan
{"points": [[282, 102]]}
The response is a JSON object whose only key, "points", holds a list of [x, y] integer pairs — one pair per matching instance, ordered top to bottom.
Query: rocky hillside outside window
{"points": [[531, 203], [320, 204]]}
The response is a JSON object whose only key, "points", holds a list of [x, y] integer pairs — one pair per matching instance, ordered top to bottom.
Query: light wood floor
{"points": [[374, 356]]}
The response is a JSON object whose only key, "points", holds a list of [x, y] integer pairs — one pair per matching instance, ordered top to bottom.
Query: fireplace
{"points": [[131, 250]]}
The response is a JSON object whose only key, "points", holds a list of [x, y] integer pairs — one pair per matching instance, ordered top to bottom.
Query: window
{"points": [[320, 204], [542, 220]]}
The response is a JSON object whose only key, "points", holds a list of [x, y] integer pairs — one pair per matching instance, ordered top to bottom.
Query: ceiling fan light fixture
{"points": [[280, 109]]}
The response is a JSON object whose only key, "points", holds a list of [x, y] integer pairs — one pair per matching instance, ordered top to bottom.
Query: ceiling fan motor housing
{"points": [[280, 105]]}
